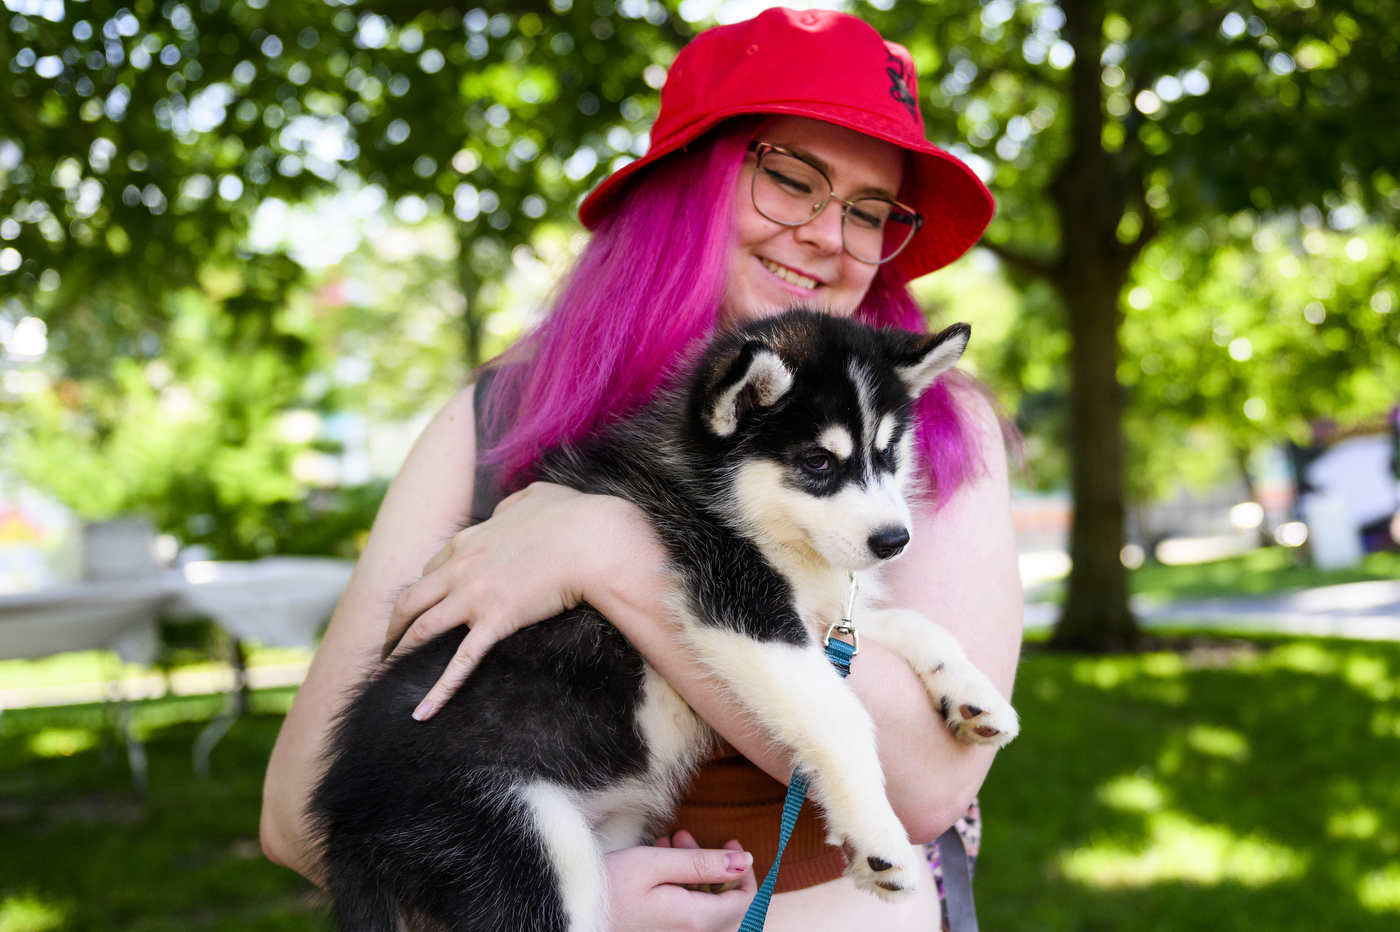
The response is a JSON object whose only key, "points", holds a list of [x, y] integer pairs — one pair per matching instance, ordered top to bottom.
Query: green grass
{"points": [[1259, 572], [1242, 785], [1252, 788], [80, 850]]}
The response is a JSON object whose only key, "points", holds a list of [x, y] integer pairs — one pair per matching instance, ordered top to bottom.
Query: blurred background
{"points": [[248, 248]]}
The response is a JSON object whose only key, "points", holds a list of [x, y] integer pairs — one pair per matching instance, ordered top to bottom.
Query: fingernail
{"points": [[424, 711], [738, 861]]}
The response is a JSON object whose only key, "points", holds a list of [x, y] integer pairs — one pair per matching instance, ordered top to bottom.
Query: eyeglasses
{"points": [[790, 190]]}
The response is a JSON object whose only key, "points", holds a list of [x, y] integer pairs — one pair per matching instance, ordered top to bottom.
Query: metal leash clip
{"points": [[845, 626]]}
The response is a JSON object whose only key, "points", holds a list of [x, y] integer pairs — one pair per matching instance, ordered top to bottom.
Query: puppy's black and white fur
{"points": [[779, 465]]}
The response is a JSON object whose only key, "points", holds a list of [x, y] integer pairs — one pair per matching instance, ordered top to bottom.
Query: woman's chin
{"points": [[758, 303]]}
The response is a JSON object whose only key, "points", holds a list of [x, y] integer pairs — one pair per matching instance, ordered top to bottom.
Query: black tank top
{"points": [[486, 492]]}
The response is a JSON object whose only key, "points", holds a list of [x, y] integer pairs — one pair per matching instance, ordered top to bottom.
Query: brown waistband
{"points": [[732, 798]]}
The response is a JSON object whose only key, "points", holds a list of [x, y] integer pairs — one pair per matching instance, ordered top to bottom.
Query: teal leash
{"points": [[840, 654]]}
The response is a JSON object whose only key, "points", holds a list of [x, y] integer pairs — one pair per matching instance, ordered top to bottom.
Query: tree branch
{"points": [[1031, 265]]}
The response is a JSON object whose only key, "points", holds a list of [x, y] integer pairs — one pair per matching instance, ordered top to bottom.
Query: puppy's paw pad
{"points": [[972, 706], [995, 723], [887, 876], [724, 887]]}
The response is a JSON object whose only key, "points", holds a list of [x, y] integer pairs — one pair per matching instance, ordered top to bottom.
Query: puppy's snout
{"points": [[888, 542]]}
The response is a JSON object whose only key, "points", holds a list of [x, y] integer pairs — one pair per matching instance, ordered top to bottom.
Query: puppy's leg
{"points": [[799, 699], [968, 701], [573, 853]]}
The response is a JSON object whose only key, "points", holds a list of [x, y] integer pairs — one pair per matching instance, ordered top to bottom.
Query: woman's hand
{"points": [[530, 562], [644, 885]]}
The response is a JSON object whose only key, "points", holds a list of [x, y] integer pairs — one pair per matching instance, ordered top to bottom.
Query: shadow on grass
{"points": [[1245, 788], [80, 850]]}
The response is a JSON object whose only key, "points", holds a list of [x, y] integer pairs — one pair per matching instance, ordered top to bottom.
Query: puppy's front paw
{"points": [[973, 708], [888, 867]]}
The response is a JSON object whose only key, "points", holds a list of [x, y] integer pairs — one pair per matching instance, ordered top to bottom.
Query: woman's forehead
{"points": [[855, 163]]}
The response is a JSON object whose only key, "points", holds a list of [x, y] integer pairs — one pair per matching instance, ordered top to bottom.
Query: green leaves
{"points": [[140, 146], [1271, 325]]}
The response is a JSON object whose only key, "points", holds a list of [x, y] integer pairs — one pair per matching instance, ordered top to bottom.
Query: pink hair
{"points": [[647, 287]]}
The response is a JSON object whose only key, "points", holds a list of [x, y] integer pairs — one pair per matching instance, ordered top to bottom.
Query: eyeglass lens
{"points": [[789, 191]]}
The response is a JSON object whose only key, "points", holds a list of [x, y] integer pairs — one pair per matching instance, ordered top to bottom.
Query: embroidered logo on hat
{"points": [[899, 88]]}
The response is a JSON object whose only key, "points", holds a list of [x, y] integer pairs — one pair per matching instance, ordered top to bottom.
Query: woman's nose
{"points": [[823, 231]]}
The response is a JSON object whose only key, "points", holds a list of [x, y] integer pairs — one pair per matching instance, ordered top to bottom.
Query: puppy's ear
{"points": [[931, 356], [755, 379]]}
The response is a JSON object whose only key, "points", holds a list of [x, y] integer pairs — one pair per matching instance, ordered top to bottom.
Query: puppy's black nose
{"points": [[888, 542]]}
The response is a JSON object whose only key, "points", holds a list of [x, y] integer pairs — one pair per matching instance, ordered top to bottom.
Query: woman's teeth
{"points": [[789, 276]]}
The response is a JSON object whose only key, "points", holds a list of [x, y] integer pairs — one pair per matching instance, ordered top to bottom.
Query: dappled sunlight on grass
{"points": [[1370, 674], [1385, 724], [62, 742], [1218, 742], [1239, 785], [1132, 794], [1354, 823], [1178, 848], [1379, 890], [26, 913]]}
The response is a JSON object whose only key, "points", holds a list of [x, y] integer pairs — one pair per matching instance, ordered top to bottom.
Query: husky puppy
{"points": [[781, 463]]}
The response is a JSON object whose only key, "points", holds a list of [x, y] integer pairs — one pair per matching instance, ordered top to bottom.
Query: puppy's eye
{"points": [[817, 462]]}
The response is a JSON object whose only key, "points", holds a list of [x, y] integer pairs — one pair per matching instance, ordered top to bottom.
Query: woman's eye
{"points": [[790, 184], [865, 219], [818, 462]]}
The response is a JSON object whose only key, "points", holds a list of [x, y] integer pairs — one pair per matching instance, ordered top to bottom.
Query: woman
{"points": [[695, 235]]}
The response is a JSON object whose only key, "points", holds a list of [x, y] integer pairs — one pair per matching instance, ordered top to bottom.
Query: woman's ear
{"points": [[931, 356], [756, 378]]}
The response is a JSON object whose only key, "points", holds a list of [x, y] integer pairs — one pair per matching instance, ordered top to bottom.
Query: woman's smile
{"points": [[790, 275]]}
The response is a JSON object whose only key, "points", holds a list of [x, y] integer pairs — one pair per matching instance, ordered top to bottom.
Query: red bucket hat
{"points": [[827, 66]]}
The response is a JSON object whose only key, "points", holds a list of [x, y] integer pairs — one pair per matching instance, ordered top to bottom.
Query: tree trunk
{"points": [[1091, 192], [469, 283], [1096, 614]]}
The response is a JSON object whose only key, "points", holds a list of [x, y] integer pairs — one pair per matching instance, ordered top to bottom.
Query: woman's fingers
{"points": [[412, 603], [453, 609], [474, 646], [683, 866], [748, 882], [648, 892]]}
